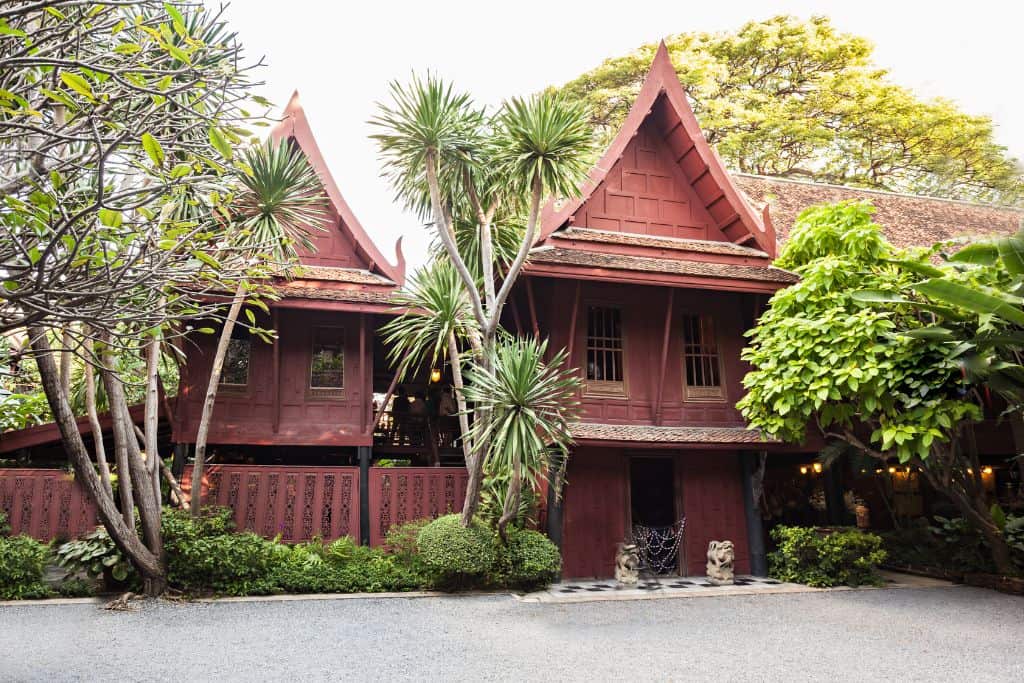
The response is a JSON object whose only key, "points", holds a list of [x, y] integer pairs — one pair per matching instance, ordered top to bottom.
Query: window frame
{"points": [[234, 387], [604, 388], [326, 392], [696, 393]]}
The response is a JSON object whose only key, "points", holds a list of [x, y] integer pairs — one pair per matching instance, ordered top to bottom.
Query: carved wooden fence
{"points": [[404, 494], [296, 502], [45, 504]]}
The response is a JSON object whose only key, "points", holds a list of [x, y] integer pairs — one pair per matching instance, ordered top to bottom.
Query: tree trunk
{"points": [[211, 397], [152, 411], [94, 419], [474, 460], [147, 500], [123, 536]]}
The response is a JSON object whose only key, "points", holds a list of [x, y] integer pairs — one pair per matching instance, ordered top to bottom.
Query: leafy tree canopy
{"points": [[800, 99]]}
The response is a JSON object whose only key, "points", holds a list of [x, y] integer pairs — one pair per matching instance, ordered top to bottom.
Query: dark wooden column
{"points": [[275, 389], [365, 458], [179, 459], [755, 532]]}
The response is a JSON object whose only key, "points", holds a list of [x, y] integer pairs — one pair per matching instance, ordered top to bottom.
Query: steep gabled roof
{"points": [[663, 99], [295, 125], [908, 220]]}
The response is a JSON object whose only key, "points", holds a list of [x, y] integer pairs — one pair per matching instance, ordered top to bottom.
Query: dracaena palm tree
{"points": [[466, 172], [278, 201], [528, 402]]}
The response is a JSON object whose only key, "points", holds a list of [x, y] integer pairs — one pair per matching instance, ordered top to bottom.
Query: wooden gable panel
{"points": [[646, 192], [332, 246]]}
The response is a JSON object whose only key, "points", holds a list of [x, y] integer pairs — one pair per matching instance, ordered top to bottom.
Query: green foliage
{"points": [[794, 98], [824, 354], [18, 411], [492, 504], [5, 527], [962, 548], [95, 554], [460, 556], [842, 558], [22, 561], [528, 561], [76, 588]]}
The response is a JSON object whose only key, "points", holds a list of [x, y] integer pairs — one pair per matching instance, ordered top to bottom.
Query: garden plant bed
{"points": [[1004, 584]]}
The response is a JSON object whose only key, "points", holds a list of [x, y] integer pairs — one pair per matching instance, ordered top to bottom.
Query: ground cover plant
{"points": [[840, 558]]}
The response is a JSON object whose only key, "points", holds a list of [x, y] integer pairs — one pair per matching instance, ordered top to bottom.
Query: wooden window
{"points": [[701, 363], [327, 365], [605, 371], [235, 372]]}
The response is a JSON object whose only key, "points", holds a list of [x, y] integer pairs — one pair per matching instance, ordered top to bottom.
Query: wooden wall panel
{"points": [[646, 192], [247, 416], [45, 504], [713, 504], [595, 512]]}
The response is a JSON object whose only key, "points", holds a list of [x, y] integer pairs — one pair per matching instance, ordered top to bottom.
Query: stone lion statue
{"points": [[721, 555], [627, 564]]}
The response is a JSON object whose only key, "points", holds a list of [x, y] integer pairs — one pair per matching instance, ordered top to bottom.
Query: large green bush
{"points": [[5, 528], [460, 557], [847, 557], [530, 560], [22, 561]]}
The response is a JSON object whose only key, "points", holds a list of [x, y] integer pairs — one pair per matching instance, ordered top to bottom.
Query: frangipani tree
{"points": [[117, 123], [465, 171], [277, 201], [845, 352]]}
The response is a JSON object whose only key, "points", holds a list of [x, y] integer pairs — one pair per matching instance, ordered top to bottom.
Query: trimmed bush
{"points": [[5, 528], [804, 555], [459, 557], [530, 560], [22, 561], [231, 564]]}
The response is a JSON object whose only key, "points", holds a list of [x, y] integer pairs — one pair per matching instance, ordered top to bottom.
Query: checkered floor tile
{"points": [[661, 583]]}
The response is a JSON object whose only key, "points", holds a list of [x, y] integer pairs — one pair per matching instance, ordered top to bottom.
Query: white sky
{"points": [[341, 56]]}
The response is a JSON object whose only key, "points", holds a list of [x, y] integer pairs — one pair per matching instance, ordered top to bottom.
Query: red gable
{"points": [[661, 178], [345, 244]]}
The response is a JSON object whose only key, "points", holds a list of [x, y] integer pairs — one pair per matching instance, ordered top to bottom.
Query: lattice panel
{"points": [[405, 494], [295, 503], [45, 504]]}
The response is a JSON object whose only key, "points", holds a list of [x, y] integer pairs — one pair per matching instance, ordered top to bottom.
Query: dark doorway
{"points": [[652, 495]]}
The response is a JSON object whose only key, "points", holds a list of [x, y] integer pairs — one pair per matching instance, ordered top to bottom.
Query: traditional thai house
{"points": [[649, 279], [313, 386]]}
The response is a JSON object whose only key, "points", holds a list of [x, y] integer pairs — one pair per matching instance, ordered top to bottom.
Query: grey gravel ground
{"points": [[934, 634]]}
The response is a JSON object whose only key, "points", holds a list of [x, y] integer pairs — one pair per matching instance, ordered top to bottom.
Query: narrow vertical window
{"points": [[327, 367], [702, 367], [605, 370], [235, 372]]}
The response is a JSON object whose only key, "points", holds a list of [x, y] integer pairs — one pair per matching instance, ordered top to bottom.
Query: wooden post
{"points": [[533, 308], [515, 315], [572, 324], [664, 355], [275, 389], [367, 399], [365, 456], [755, 532]]}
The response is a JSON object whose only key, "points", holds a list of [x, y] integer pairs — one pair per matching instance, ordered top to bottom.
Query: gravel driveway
{"points": [[934, 634]]}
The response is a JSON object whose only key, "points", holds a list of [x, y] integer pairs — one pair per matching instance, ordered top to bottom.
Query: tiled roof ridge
{"points": [[889, 193], [681, 243], [665, 434]]}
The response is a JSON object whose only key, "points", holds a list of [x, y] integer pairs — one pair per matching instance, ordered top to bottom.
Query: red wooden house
{"points": [[649, 280]]}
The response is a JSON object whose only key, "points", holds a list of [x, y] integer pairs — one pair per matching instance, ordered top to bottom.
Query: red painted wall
{"points": [[646, 192], [333, 247], [643, 322], [246, 416], [45, 504], [713, 504], [595, 512], [597, 516]]}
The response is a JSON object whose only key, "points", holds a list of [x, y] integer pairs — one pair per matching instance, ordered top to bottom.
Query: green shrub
{"points": [[179, 525], [5, 528], [402, 545], [96, 555], [458, 557], [846, 557], [22, 561], [529, 561], [231, 564], [76, 588]]}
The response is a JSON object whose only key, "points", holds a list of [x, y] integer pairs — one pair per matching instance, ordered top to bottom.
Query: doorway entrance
{"points": [[654, 512]]}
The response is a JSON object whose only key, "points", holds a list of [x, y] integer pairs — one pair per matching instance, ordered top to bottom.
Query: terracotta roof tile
{"points": [[908, 220], [676, 243], [652, 265], [335, 274], [297, 291], [651, 433]]}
